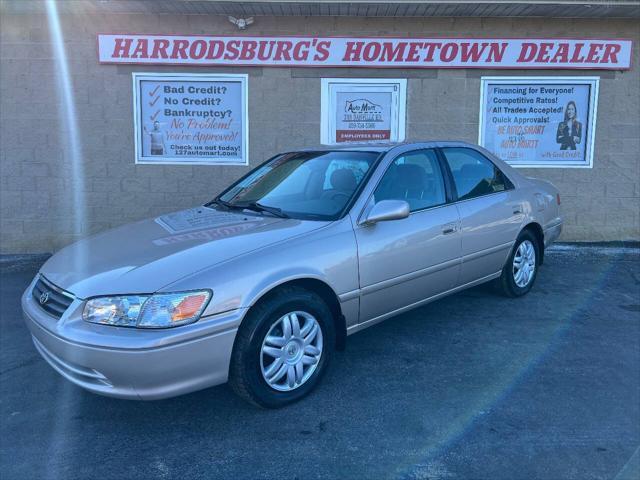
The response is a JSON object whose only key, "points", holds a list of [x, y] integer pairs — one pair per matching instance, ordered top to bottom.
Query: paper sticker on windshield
{"points": [[196, 219]]}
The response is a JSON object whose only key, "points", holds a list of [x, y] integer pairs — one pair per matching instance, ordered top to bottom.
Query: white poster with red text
{"points": [[362, 110], [190, 119], [539, 121]]}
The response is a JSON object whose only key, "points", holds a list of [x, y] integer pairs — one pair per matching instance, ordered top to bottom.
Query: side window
{"points": [[473, 174], [414, 177]]}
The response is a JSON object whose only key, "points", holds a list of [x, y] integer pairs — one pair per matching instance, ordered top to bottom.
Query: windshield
{"points": [[305, 185]]}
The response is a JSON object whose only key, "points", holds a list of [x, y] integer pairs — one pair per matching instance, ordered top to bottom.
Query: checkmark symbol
{"points": [[153, 92], [151, 104], [153, 117]]}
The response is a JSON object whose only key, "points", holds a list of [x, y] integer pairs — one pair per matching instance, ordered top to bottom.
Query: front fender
{"points": [[328, 254]]}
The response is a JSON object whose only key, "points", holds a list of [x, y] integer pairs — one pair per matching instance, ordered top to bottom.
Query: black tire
{"points": [[506, 282], [245, 375]]}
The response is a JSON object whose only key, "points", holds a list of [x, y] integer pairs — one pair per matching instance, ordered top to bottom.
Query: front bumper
{"points": [[133, 363]]}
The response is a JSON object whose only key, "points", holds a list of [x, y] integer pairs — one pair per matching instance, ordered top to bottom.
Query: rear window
{"points": [[474, 175]]}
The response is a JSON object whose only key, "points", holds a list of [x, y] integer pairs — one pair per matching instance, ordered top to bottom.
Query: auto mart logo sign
{"points": [[290, 51]]}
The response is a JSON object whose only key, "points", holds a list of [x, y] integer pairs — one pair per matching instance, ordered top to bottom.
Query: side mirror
{"points": [[386, 210]]}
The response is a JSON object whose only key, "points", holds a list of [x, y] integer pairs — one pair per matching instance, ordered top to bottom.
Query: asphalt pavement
{"points": [[473, 386]]}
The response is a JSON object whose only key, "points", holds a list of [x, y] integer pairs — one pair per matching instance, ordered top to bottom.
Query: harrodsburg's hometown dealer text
{"points": [[418, 52], [186, 119], [539, 121]]}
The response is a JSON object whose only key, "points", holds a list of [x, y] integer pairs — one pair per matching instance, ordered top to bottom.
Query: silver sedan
{"points": [[259, 286]]}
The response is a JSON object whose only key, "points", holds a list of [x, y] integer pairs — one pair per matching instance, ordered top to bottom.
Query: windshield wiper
{"points": [[218, 201], [254, 206], [258, 207]]}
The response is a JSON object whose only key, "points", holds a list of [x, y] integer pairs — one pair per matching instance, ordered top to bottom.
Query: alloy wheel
{"points": [[524, 264], [291, 351]]}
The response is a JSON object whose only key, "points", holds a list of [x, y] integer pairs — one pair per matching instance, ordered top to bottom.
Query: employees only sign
{"points": [[362, 110], [363, 116]]}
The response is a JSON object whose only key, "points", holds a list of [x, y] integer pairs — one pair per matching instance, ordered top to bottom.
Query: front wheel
{"points": [[521, 269], [282, 349]]}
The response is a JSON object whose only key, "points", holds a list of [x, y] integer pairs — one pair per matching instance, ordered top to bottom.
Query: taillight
{"points": [[558, 198]]}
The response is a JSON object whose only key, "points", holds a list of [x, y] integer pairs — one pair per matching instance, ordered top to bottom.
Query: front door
{"points": [[490, 216], [403, 262]]}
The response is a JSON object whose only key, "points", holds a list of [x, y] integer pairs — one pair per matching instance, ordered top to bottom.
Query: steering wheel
{"points": [[338, 194]]}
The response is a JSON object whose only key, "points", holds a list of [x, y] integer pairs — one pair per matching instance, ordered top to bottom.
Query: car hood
{"points": [[145, 256]]}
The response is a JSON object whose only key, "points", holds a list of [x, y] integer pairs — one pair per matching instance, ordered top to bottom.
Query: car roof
{"points": [[385, 147]]}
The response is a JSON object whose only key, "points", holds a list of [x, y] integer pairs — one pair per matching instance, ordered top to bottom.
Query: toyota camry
{"points": [[262, 284]]}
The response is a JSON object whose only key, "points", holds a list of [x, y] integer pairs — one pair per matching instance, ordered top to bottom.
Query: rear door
{"points": [[490, 215], [405, 261]]}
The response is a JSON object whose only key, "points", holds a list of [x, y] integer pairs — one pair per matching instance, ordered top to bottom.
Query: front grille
{"points": [[50, 298]]}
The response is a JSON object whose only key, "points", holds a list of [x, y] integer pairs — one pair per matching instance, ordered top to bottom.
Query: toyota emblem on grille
{"points": [[44, 298]]}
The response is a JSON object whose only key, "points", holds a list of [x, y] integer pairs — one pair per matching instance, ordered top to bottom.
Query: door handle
{"points": [[517, 210], [449, 228]]}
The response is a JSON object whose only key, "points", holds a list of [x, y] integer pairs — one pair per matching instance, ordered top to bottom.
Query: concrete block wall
{"points": [[38, 189]]}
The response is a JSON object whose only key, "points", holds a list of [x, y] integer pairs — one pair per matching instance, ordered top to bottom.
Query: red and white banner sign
{"points": [[520, 53]]}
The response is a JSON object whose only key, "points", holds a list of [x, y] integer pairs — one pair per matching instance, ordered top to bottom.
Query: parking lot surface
{"points": [[472, 386]]}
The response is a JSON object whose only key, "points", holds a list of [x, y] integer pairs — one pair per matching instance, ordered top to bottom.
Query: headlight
{"points": [[147, 311]]}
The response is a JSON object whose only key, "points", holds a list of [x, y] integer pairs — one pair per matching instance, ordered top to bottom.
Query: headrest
{"points": [[477, 170], [410, 176], [344, 180]]}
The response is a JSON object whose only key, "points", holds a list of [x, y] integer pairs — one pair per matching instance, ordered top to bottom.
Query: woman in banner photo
{"points": [[570, 130], [157, 139]]}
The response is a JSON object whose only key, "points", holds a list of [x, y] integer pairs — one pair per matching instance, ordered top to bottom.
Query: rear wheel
{"points": [[521, 269], [282, 349]]}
